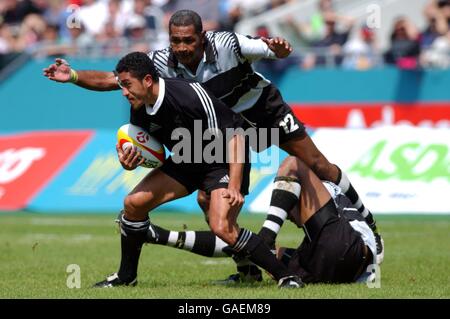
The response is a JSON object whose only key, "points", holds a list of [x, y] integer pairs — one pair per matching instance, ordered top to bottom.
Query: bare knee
{"points": [[289, 167], [294, 167], [203, 201], [137, 205]]}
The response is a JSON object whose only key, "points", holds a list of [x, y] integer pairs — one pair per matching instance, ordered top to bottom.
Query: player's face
{"points": [[186, 45], [133, 89]]}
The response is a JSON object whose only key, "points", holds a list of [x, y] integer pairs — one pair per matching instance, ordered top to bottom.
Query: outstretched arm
{"points": [[280, 46], [254, 49], [61, 71]]}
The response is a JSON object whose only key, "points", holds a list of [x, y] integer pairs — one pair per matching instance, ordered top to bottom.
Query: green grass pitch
{"points": [[35, 250]]}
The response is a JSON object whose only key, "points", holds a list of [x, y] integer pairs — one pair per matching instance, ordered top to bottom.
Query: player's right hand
{"points": [[58, 71], [130, 158], [234, 196]]}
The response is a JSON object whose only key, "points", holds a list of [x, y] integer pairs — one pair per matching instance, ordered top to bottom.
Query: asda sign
{"points": [[410, 161], [394, 169]]}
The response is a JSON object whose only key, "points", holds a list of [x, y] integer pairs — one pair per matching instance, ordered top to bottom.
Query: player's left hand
{"points": [[281, 47], [58, 71], [131, 158], [234, 196]]}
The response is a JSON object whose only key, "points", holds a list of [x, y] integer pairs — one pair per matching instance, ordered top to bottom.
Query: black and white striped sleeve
{"points": [[227, 40], [254, 49], [159, 59]]}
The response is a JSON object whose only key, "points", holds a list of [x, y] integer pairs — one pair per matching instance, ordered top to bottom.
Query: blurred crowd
{"points": [[107, 27], [114, 27], [331, 39]]}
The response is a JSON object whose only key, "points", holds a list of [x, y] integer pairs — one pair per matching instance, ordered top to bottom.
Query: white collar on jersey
{"points": [[151, 110]]}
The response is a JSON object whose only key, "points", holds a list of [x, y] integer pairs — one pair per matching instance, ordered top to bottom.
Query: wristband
{"points": [[73, 76]]}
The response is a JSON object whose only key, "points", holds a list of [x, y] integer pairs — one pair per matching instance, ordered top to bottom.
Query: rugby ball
{"points": [[152, 150]]}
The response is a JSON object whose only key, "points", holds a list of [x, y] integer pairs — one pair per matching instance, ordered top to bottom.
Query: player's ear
{"points": [[203, 36], [148, 80]]}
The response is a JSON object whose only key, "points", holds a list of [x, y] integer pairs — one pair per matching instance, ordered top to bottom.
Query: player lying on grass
{"points": [[222, 61], [173, 107], [338, 245]]}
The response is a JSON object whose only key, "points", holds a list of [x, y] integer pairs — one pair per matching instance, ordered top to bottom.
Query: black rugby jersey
{"points": [[185, 107]]}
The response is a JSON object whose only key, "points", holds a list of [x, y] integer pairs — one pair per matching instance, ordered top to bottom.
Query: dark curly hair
{"points": [[186, 18], [138, 64]]}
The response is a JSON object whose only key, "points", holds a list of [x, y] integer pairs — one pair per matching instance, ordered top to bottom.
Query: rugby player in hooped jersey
{"points": [[338, 246]]}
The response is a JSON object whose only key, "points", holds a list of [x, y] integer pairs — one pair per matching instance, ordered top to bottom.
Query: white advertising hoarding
{"points": [[398, 169]]}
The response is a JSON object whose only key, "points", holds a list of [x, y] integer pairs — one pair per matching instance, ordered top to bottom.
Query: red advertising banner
{"points": [[374, 115], [28, 162]]}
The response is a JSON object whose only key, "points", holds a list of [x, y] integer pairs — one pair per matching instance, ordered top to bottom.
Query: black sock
{"points": [[347, 188], [285, 195], [371, 222], [133, 234], [157, 235], [203, 243], [251, 245], [287, 255], [245, 265]]}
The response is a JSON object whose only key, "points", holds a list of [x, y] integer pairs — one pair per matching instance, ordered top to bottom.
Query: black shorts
{"points": [[270, 111], [206, 177], [332, 251]]}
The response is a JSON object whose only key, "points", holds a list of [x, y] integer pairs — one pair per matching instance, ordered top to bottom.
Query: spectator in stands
{"points": [[276, 3], [248, 8], [444, 8], [15, 11], [231, 11], [52, 12], [152, 14], [230, 14], [94, 15], [66, 17], [117, 18], [437, 23], [114, 24], [315, 29], [154, 30], [31, 32], [136, 33], [306, 33], [5, 39], [434, 40], [80, 41], [51, 43], [405, 48], [328, 50], [360, 53], [438, 54], [275, 68]]}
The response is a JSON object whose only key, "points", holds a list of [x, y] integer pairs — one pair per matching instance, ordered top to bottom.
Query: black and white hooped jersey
{"points": [[225, 69], [346, 210]]}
